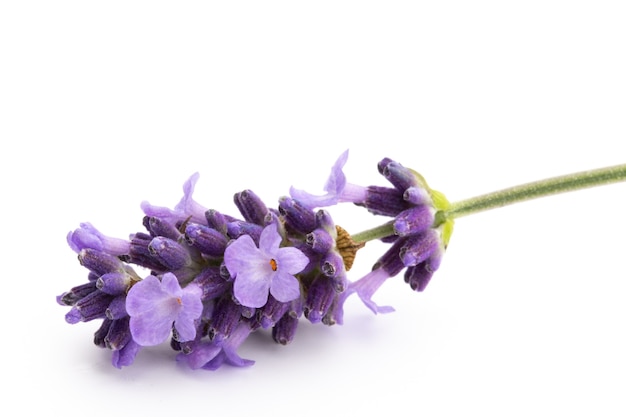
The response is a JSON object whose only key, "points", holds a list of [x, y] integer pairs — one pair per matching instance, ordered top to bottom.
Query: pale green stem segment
{"points": [[532, 190], [519, 193], [376, 233]]}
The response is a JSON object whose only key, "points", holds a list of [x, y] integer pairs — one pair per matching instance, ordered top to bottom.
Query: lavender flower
{"points": [[337, 189], [187, 207], [88, 237], [264, 270], [155, 305], [211, 355]]}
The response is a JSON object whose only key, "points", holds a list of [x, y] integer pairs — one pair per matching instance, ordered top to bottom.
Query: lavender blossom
{"points": [[337, 188], [186, 207], [88, 237], [264, 270], [155, 305], [210, 355]]}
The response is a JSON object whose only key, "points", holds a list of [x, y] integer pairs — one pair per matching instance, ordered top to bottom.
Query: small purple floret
{"points": [[337, 189], [186, 208], [88, 237], [264, 270], [366, 287], [154, 305]]}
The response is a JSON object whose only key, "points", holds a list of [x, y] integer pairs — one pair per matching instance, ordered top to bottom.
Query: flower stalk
{"points": [[536, 189]]}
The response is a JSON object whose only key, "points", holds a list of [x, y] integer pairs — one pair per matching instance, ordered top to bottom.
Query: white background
{"points": [[106, 104]]}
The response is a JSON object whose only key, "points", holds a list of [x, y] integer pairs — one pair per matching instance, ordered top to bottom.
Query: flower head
{"points": [[264, 270], [154, 305]]}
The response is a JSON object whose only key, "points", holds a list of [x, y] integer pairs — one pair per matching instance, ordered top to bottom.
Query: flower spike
{"points": [[213, 279]]}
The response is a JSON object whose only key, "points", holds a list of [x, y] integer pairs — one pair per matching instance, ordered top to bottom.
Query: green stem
{"points": [[550, 186], [532, 190], [372, 234]]}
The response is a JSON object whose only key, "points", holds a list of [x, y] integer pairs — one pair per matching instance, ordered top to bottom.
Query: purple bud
{"points": [[382, 164], [401, 177], [416, 195], [384, 201], [251, 207], [297, 216], [217, 220], [414, 220], [325, 222], [161, 227], [239, 228], [208, 241], [320, 241], [419, 247], [169, 252], [140, 253], [99, 262], [390, 262], [332, 264], [333, 267], [224, 273], [418, 276], [114, 283], [211, 283], [70, 297], [320, 297], [93, 306], [117, 308], [248, 312], [272, 312], [73, 316], [226, 316], [285, 329], [100, 334], [118, 335], [126, 355]]}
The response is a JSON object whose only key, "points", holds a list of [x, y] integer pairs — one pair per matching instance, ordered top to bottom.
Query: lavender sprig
{"points": [[213, 279]]}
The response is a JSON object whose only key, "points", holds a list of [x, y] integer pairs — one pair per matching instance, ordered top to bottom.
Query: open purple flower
{"points": [[337, 189], [186, 207], [88, 237], [263, 270], [366, 287], [154, 305], [211, 355]]}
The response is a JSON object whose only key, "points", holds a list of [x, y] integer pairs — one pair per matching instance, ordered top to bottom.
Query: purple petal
{"points": [[337, 179], [334, 186], [311, 201], [187, 204], [186, 207], [270, 240], [242, 254], [291, 260], [169, 284], [285, 287], [366, 287], [251, 289], [152, 310], [192, 310], [151, 329], [126, 355], [201, 355]]}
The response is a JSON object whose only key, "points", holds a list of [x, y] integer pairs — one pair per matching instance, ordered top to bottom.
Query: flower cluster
{"points": [[212, 278]]}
